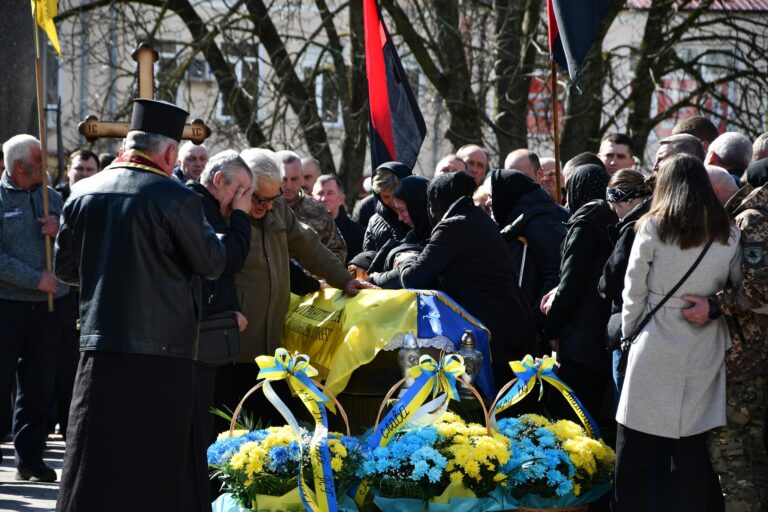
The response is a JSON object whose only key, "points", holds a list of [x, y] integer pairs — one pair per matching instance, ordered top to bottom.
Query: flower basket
{"points": [[421, 457], [556, 465], [268, 469]]}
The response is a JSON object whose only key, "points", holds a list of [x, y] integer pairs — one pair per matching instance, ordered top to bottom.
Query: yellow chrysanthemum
{"points": [[536, 419], [565, 429], [235, 433], [336, 463]]}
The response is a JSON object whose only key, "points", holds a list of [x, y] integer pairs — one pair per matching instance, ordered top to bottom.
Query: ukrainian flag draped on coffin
{"points": [[341, 334]]}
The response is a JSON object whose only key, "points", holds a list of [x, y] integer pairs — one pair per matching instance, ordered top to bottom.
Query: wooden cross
{"points": [[196, 131]]}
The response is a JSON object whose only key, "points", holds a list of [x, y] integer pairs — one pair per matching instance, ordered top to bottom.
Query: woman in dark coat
{"points": [[629, 195], [411, 206], [527, 215], [384, 224], [470, 262], [576, 320]]}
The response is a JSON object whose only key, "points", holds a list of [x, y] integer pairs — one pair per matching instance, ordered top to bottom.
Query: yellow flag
{"points": [[44, 11], [340, 334]]}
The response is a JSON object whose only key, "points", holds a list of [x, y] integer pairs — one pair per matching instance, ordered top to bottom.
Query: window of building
{"points": [[244, 61], [167, 77]]}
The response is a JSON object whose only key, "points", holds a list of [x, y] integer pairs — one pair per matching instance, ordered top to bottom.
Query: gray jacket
{"points": [[22, 246]]}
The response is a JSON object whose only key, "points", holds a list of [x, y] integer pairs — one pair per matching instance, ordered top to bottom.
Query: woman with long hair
{"points": [[674, 386]]}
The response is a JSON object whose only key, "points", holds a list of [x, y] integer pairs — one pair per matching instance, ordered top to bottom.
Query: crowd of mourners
{"points": [[650, 285]]}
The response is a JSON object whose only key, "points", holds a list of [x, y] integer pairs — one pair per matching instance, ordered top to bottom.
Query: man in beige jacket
{"points": [[263, 285]]}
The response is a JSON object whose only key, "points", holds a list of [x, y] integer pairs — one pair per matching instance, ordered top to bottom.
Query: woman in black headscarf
{"points": [[410, 204], [530, 224], [469, 261], [577, 317]]}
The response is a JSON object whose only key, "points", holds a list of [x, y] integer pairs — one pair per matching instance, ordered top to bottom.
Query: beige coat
{"points": [[263, 285], [675, 380]]}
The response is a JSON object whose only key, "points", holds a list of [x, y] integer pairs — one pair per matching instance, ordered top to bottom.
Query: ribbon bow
{"points": [[295, 368], [529, 371], [298, 372], [443, 375]]}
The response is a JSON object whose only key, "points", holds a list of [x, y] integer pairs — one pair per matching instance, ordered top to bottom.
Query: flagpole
{"points": [[556, 131], [43, 149]]}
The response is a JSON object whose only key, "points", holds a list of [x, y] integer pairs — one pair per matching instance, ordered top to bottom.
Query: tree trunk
{"points": [[515, 64], [291, 86], [18, 101], [354, 143]]}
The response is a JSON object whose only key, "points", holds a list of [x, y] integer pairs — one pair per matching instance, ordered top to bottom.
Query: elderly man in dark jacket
{"points": [[225, 190], [133, 239], [469, 260]]}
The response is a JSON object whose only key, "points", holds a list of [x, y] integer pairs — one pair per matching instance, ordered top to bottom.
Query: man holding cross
{"points": [[132, 239]]}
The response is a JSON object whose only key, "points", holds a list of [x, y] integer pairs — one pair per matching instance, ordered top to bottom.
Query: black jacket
{"points": [[412, 190], [364, 210], [534, 216], [383, 227], [352, 232], [133, 240], [470, 262], [611, 283], [220, 295], [579, 315]]}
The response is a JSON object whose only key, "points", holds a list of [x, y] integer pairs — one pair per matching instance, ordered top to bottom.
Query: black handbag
{"points": [[219, 340], [626, 343]]}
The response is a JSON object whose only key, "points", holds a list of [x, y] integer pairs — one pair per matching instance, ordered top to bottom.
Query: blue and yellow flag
{"points": [[44, 11], [341, 334]]}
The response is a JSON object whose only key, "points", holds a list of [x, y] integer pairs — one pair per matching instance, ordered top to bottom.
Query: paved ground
{"points": [[24, 496]]}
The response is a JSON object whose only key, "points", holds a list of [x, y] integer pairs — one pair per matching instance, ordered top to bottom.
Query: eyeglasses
{"points": [[264, 200]]}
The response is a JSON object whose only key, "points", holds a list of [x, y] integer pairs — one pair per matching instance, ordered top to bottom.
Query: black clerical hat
{"points": [[153, 116]]}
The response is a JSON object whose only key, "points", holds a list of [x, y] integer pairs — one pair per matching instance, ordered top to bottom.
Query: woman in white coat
{"points": [[674, 387]]}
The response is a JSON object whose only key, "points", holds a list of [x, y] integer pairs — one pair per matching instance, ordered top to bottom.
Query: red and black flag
{"points": [[573, 27], [396, 125]]}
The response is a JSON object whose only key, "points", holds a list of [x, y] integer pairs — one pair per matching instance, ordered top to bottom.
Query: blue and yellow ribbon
{"points": [[298, 372], [528, 372], [431, 378]]}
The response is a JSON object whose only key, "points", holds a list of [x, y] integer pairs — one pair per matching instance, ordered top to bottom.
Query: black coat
{"points": [[364, 210], [536, 218], [383, 227], [353, 233], [133, 240], [470, 262], [611, 283], [220, 295], [578, 315]]}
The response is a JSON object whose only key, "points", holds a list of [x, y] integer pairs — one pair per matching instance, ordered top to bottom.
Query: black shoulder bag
{"points": [[219, 341], [626, 343]]}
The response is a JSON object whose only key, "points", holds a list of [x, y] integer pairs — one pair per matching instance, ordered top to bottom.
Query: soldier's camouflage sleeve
{"points": [[752, 292]]}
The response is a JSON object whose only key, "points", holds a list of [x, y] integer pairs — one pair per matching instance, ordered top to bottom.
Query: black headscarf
{"points": [[401, 171], [757, 173], [586, 183], [507, 187], [413, 190], [444, 190]]}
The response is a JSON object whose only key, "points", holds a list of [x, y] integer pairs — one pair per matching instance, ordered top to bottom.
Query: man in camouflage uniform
{"points": [[308, 210], [738, 450]]}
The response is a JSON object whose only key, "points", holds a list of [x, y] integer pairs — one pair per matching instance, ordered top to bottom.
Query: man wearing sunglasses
{"points": [[264, 283]]}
